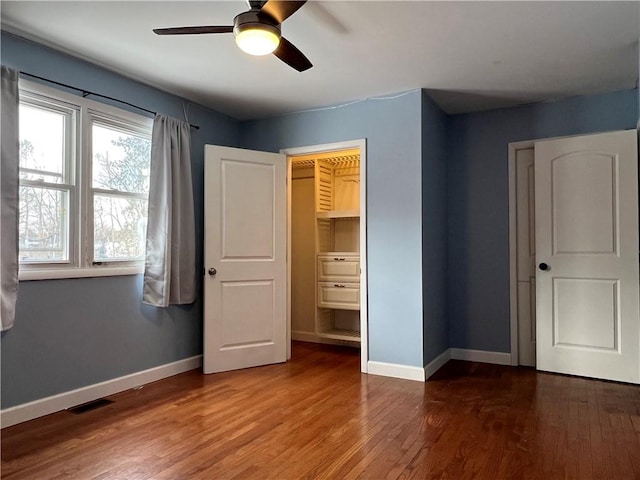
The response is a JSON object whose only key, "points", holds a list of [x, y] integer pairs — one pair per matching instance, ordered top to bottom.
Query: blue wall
{"points": [[392, 128], [424, 171], [478, 202], [434, 230], [73, 333]]}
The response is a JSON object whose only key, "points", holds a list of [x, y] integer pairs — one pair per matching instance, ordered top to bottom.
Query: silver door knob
{"points": [[212, 271]]}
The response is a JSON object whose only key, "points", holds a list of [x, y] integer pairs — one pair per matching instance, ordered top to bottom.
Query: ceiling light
{"points": [[257, 39]]}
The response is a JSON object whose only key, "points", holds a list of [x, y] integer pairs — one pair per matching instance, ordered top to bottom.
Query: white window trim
{"points": [[79, 264], [78, 272]]}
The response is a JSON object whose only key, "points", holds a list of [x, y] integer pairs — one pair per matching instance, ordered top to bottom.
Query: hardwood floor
{"points": [[317, 417]]}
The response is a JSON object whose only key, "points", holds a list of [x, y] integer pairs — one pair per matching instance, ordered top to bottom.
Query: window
{"points": [[46, 184], [84, 186], [119, 190]]}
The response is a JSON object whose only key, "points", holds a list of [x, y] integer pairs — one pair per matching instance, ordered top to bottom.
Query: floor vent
{"points": [[87, 407]]}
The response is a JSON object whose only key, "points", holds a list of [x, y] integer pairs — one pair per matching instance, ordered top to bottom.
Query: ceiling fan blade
{"points": [[281, 10], [193, 30], [290, 55]]}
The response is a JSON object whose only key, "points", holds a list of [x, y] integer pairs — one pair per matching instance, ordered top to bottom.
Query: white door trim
{"points": [[328, 147]]}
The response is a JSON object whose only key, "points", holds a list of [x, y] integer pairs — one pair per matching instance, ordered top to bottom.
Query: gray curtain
{"points": [[10, 153], [170, 269]]}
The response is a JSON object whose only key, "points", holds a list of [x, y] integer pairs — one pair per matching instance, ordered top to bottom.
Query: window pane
{"points": [[42, 140], [120, 160], [43, 225], [120, 226]]}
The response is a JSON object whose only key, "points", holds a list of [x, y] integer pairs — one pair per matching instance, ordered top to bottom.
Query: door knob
{"points": [[543, 266], [212, 271]]}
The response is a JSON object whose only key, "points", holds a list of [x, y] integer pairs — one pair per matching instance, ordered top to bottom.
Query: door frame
{"points": [[323, 148], [513, 240], [513, 247]]}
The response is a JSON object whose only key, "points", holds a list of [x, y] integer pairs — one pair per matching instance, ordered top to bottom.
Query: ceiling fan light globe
{"points": [[257, 41]]}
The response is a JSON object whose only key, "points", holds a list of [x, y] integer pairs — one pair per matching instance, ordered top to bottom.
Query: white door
{"points": [[587, 255], [526, 256], [244, 259]]}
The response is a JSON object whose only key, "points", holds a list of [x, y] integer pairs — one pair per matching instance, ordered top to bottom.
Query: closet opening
{"points": [[327, 294]]}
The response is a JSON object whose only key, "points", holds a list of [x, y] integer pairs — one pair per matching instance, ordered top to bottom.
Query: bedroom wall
{"points": [[392, 128], [478, 195], [435, 234], [73, 333]]}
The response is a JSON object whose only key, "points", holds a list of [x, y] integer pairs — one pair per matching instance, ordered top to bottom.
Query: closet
{"points": [[325, 247]]}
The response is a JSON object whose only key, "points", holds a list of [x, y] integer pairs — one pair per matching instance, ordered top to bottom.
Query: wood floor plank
{"points": [[317, 417]]}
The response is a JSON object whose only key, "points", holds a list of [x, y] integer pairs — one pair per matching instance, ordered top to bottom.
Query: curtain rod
{"points": [[86, 92]]}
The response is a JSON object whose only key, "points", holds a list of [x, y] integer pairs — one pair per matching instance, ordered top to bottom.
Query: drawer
{"points": [[339, 268], [345, 296]]}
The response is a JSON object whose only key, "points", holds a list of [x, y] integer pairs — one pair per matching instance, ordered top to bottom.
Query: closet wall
{"points": [[325, 247], [303, 251]]}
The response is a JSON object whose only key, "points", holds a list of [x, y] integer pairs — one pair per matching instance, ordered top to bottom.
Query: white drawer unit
{"points": [[339, 267], [345, 296]]}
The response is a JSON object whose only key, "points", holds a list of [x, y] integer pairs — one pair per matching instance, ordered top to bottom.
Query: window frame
{"points": [[68, 182], [80, 232]]}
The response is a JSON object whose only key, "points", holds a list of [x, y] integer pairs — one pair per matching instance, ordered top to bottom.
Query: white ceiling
{"points": [[469, 55]]}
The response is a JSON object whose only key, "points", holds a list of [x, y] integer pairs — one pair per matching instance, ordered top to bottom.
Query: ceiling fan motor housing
{"points": [[255, 19]]}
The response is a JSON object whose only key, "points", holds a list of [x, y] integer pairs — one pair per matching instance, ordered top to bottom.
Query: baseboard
{"points": [[306, 337], [313, 338], [482, 356], [438, 362], [406, 372], [62, 401], [45, 406]]}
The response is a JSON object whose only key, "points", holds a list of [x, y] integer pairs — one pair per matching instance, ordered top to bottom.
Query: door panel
{"points": [[584, 197], [247, 221], [587, 233], [245, 242], [585, 315], [247, 323]]}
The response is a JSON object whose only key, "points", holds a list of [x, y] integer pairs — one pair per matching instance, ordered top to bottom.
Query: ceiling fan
{"points": [[257, 31]]}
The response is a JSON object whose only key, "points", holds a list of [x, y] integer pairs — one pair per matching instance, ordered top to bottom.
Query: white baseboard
{"points": [[305, 337], [313, 338], [482, 356], [438, 362], [406, 372], [56, 403], [45, 406]]}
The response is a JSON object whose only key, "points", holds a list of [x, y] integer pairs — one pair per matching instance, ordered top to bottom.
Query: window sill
{"points": [[61, 273]]}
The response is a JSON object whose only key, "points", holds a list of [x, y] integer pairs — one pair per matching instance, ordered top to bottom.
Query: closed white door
{"points": [[587, 256], [244, 259]]}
